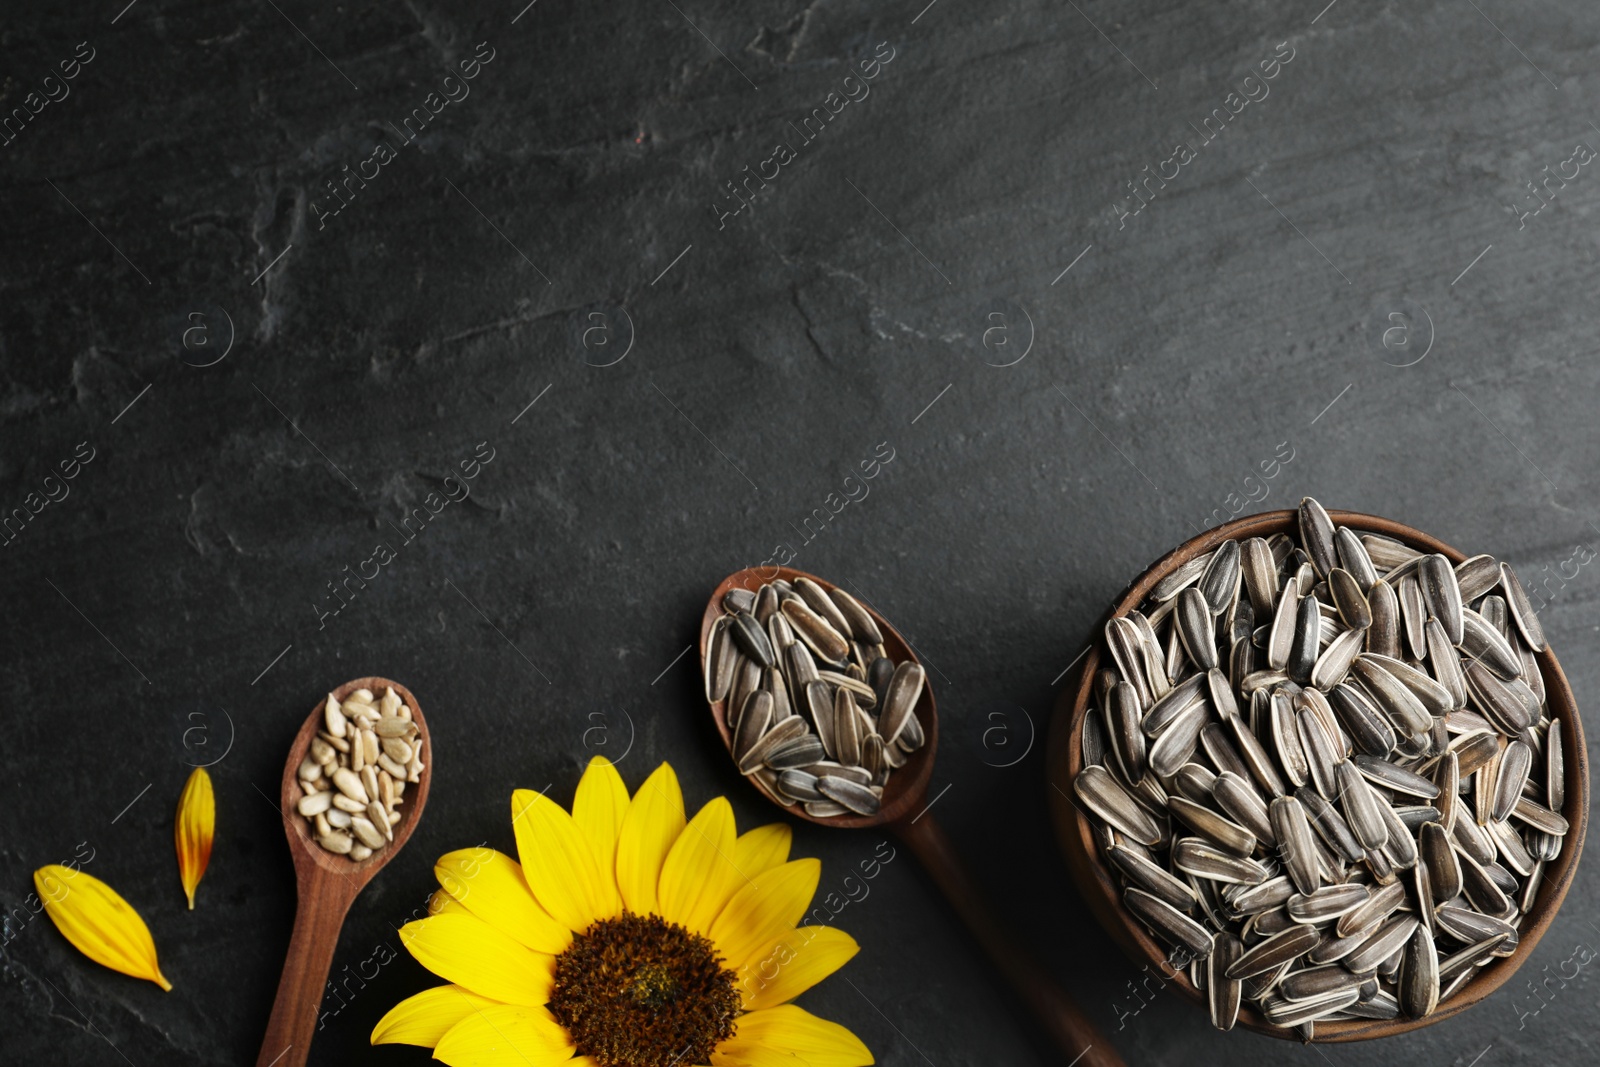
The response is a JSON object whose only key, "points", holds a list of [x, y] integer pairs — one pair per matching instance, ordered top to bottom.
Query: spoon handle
{"points": [[317, 919], [1081, 1043]]}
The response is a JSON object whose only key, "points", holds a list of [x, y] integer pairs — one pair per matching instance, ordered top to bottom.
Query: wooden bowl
{"points": [[907, 788], [1099, 888]]}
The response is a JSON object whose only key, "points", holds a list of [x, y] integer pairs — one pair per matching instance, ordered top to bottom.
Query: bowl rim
{"points": [[1075, 833]]}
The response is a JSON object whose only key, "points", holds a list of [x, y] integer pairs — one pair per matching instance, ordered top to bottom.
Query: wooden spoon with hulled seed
{"points": [[904, 811], [327, 884]]}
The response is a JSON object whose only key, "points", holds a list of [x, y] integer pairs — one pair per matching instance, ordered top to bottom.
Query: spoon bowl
{"points": [[905, 793], [905, 812], [327, 884]]}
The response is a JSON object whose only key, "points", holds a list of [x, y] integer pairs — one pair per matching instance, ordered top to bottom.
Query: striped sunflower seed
{"points": [[1316, 536], [1258, 572], [1476, 576], [1180, 579], [1219, 582], [1441, 593], [1349, 599], [818, 600], [1520, 608], [862, 624], [1196, 628], [1383, 635], [751, 637], [1307, 642], [1482, 642], [829, 644], [1334, 662], [900, 700], [1127, 733], [1177, 742], [764, 746], [798, 785], [852, 795], [1102, 795], [1239, 799], [1208, 824], [1293, 832], [1194, 856], [1153, 879], [1328, 903], [1363, 919], [1170, 923], [1280, 948], [1419, 975], [1312, 982], [1222, 992], [1295, 1013]]}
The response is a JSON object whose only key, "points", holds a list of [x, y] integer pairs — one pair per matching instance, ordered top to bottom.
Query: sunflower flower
{"points": [[196, 823], [98, 922], [626, 937]]}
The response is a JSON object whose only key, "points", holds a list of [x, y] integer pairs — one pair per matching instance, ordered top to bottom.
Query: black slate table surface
{"points": [[1094, 275]]}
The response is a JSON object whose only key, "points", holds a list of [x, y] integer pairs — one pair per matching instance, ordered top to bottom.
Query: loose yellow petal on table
{"points": [[598, 809], [652, 823], [196, 825], [763, 848], [559, 863], [698, 876], [490, 885], [765, 908], [98, 922], [469, 952], [793, 964], [424, 1018], [505, 1035], [788, 1035]]}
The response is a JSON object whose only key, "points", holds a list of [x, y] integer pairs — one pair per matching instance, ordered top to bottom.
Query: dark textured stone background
{"points": [[1177, 354]]}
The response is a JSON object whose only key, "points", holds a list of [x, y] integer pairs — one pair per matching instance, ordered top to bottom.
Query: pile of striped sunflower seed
{"points": [[821, 716], [1323, 770], [354, 775]]}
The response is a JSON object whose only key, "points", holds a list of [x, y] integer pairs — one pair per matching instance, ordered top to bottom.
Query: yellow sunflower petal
{"points": [[598, 809], [197, 822], [653, 822], [763, 848], [559, 863], [698, 876], [490, 885], [442, 903], [765, 908], [98, 922], [469, 952], [793, 964], [424, 1018], [505, 1035], [788, 1035], [748, 1055]]}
